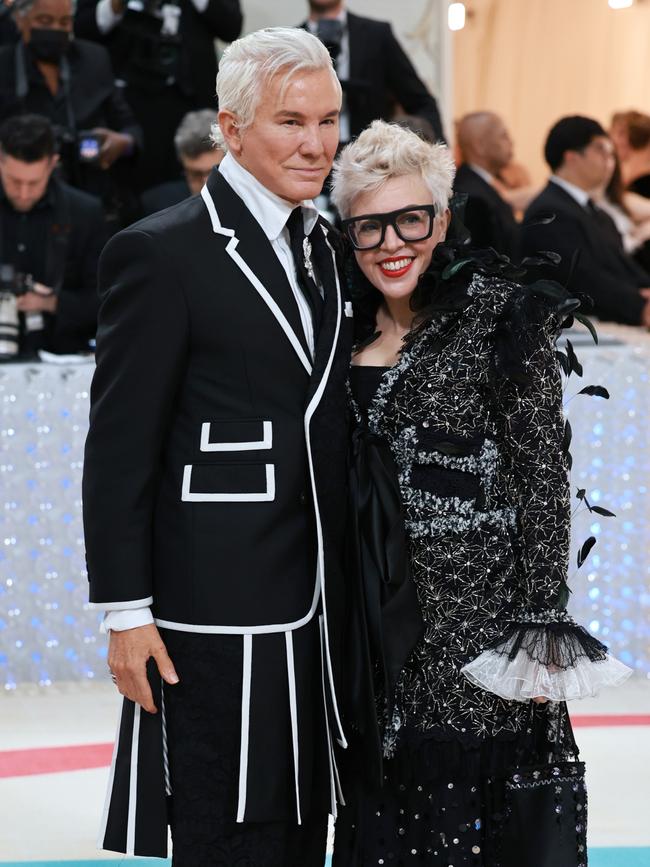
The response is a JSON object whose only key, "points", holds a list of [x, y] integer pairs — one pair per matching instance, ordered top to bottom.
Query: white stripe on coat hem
{"points": [[293, 708], [245, 726], [111, 779], [133, 784]]}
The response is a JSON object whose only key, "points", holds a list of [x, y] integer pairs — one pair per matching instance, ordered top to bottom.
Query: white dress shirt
{"points": [[107, 19], [342, 66], [581, 196], [272, 213]]}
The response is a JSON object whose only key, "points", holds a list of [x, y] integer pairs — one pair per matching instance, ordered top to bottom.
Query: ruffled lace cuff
{"points": [[547, 655]]}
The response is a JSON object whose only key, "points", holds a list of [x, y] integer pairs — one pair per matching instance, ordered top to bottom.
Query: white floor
{"points": [[55, 816]]}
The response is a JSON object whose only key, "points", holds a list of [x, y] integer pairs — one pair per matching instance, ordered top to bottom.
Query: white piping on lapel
{"points": [[231, 249], [311, 409]]}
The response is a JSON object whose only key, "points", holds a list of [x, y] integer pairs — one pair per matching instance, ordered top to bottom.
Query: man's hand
{"points": [[114, 145], [39, 300], [128, 653]]}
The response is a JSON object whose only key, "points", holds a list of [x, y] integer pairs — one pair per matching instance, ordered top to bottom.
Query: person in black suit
{"points": [[166, 59], [373, 68], [71, 82], [200, 147], [486, 147], [580, 154], [51, 235], [215, 483]]}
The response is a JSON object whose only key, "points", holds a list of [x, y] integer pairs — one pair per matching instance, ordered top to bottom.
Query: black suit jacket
{"points": [[221, 19], [382, 75], [489, 218], [76, 235], [603, 271], [215, 467]]}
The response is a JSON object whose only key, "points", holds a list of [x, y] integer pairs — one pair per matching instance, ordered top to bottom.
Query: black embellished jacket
{"points": [[473, 416]]}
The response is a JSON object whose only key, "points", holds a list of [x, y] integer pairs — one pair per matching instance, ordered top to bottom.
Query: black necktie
{"points": [[307, 283]]}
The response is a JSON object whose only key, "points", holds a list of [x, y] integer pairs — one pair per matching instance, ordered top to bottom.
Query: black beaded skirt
{"points": [[442, 804]]}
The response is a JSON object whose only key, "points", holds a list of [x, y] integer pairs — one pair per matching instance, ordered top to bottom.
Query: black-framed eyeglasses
{"points": [[412, 223]]}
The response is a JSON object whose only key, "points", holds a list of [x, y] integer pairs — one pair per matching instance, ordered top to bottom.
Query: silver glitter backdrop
{"points": [[47, 634]]}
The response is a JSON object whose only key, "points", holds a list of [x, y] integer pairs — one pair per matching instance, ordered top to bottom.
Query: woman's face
{"points": [[395, 266]]}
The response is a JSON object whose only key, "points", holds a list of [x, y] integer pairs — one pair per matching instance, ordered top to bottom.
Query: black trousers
{"points": [[203, 714]]}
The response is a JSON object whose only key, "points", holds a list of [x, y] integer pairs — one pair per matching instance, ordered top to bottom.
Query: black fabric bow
{"points": [[386, 615]]}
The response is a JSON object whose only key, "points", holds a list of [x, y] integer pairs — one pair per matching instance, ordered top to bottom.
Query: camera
{"points": [[13, 282]]}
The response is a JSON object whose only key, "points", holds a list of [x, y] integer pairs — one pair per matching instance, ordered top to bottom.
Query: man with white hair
{"points": [[214, 485]]}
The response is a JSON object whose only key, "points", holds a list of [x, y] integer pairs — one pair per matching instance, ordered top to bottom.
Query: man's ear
{"points": [[229, 124]]}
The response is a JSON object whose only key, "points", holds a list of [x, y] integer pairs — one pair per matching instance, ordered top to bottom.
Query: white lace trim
{"points": [[523, 678]]}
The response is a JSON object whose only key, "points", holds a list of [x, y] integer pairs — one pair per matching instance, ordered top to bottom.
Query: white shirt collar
{"points": [[482, 173], [581, 196], [270, 211]]}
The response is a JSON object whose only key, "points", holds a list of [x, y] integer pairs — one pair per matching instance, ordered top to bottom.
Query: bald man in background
{"points": [[486, 148]]}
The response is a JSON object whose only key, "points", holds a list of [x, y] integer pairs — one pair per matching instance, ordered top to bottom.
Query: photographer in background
{"points": [[8, 32], [163, 51], [373, 69], [71, 82], [200, 147], [51, 236]]}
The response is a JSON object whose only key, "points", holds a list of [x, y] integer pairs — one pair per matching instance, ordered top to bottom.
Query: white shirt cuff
{"points": [[200, 5], [105, 17], [129, 619]]}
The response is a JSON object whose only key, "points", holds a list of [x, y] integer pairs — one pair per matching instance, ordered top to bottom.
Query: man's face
{"points": [[323, 7], [46, 15], [292, 141], [498, 145], [594, 164], [197, 169], [25, 183]]}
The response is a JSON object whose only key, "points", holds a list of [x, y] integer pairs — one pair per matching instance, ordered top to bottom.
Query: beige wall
{"points": [[533, 61]]}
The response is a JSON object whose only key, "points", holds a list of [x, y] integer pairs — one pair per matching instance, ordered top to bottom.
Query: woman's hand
{"points": [[540, 700]]}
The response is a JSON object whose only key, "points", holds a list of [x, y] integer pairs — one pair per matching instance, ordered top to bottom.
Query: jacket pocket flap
{"points": [[236, 435], [228, 483]]}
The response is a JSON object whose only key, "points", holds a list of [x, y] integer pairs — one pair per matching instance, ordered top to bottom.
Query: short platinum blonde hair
{"points": [[249, 63], [384, 151]]}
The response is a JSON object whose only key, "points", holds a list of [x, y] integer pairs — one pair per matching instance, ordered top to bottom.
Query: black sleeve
{"points": [[224, 19], [85, 21], [407, 87], [120, 117], [614, 298], [78, 304], [141, 356]]}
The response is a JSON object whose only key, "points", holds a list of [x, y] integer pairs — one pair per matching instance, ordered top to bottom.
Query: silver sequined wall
{"points": [[47, 634]]}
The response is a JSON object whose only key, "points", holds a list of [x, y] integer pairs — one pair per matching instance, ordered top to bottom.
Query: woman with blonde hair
{"points": [[456, 377]]}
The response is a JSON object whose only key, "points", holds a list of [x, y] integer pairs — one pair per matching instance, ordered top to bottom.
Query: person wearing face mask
{"points": [[71, 82], [459, 489]]}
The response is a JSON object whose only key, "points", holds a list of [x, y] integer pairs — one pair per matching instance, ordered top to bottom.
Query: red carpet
{"points": [[54, 760]]}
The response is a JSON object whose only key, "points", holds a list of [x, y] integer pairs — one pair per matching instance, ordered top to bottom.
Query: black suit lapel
{"points": [[255, 248], [324, 264]]}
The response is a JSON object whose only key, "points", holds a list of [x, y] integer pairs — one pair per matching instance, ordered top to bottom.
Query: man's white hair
{"points": [[248, 65], [388, 150]]}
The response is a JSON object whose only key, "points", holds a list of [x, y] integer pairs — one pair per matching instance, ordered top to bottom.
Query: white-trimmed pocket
{"points": [[348, 309], [236, 436], [229, 483]]}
